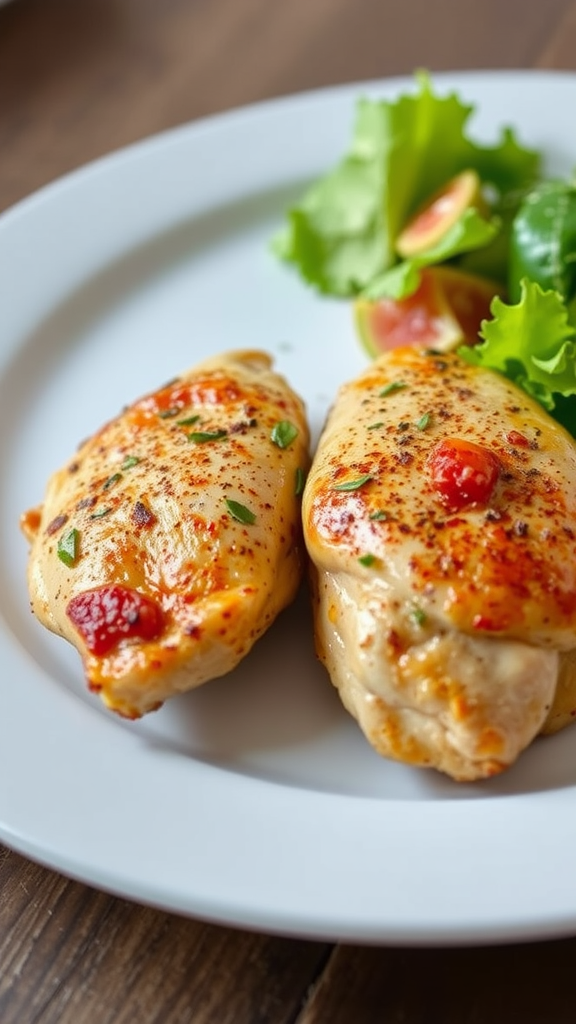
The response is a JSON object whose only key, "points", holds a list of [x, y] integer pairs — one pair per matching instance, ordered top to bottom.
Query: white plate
{"points": [[254, 800]]}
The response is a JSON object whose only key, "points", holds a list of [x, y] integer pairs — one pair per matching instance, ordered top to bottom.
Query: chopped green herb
{"points": [[394, 385], [168, 414], [188, 421], [423, 422], [376, 426], [283, 433], [202, 436], [130, 461], [111, 481], [300, 481], [353, 485], [240, 512], [101, 513], [379, 515], [68, 547], [367, 560], [419, 616]]}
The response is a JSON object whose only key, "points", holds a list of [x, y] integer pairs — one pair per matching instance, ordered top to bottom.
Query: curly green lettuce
{"points": [[533, 343]]}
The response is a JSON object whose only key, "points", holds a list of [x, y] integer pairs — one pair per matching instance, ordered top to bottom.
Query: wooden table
{"points": [[79, 78]]}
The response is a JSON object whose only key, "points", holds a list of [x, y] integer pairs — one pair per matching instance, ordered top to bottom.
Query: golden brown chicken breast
{"points": [[440, 518], [172, 539]]}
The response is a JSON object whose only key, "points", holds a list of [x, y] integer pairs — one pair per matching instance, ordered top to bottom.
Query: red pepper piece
{"points": [[518, 440], [463, 473], [109, 614]]}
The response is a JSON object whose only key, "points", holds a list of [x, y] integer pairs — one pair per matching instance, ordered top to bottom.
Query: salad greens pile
{"points": [[342, 235]]}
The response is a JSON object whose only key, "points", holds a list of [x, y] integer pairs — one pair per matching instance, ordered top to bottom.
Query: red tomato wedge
{"points": [[440, 211], [444, 312], [463, 473], [112, 613]]}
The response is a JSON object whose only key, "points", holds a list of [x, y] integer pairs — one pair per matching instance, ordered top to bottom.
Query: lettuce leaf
{"points": [[471, 231], [341, 235], [543, 242], [534, 344]]}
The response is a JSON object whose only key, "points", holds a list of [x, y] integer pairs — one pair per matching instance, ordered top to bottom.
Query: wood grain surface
{"points": [[79, 78]]}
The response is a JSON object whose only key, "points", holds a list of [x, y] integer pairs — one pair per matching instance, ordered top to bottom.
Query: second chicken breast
{"points": [[440, 519]]}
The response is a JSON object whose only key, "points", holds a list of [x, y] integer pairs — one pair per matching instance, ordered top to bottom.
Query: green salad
{"points": [[423, 229]]}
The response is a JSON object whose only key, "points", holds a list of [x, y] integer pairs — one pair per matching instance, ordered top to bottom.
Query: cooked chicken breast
{"points": [[440, 518], [172, 539]]}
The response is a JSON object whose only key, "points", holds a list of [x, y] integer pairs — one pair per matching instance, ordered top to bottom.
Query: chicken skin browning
{"points": [[440, 519], [172, 539]]}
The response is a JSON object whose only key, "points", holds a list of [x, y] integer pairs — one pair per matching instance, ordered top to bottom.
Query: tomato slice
{"points": [[445, 311], [463, 473], [106, 615]]}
